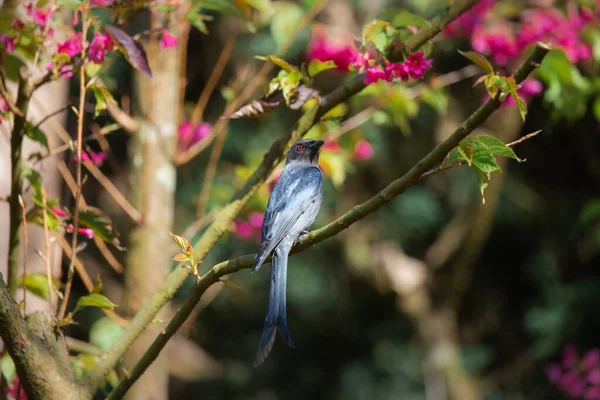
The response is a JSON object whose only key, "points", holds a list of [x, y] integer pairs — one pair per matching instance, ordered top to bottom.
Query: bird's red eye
{"points": [[299, 147]]}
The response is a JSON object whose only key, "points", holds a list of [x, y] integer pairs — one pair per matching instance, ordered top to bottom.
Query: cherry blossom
{"points": [[101, 44], [324, 49]]}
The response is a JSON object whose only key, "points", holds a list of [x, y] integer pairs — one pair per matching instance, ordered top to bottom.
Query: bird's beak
{"points": [[317, 144]]}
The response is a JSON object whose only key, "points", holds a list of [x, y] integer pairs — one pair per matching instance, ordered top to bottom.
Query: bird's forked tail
{"points": [[276, 313]]}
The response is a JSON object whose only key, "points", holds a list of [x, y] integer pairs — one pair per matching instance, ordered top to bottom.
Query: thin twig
{"points": [[81, 111], [52, 114], [25, 250], [47, 252], [79, 346]]}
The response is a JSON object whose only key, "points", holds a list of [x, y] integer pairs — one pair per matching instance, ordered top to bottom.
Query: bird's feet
{"points": [[303, 235]]}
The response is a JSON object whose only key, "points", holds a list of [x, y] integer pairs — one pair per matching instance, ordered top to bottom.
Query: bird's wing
{"points": [[291, 197]]}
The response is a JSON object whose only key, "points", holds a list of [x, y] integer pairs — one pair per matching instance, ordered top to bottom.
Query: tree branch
{"points": [[230, 211], [357, 213], [41, 363]]}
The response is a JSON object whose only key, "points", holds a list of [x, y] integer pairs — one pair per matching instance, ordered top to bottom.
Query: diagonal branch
{"points": [[357, 213], [221, 223]]}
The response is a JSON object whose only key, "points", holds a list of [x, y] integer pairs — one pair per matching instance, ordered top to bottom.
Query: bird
{"points": [[292, 208]]}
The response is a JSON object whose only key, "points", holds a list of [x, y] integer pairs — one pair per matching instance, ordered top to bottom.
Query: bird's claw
{"points": [[303, 234]]}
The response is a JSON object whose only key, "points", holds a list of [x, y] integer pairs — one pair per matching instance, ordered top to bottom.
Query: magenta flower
{"points": [[39, 15], [466, 23], [18, 24], [167, 40], [497, 40], [8, 42], [101, 44], [71, 47], [323, 49], [416, 65], [396, 71], [374, 74], [3, 104], [202, 131], [331, 146], [363, 150], [96, 158], [59, 212], [256, 219], [244, 230], [87, 232], [570, 356], [590, 359], [553, 373], [593, 376], [577, 377], [572, 384], [11, 392], [592, 393]]}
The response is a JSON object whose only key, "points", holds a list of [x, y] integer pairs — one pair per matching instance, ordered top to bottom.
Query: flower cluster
{"points": [[505, 41], [101, 44], [323, 49], [414, 67], [189, 134], [96, 158], [62, 215], [250, 228], [578, 378]]}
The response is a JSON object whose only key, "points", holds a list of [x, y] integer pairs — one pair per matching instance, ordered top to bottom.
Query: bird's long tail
{"points": [[276, 313]]}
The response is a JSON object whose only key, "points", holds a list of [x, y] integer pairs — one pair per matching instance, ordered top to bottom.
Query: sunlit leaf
{"points": [[380, 33], [133, 51], [479, 60], [281, 63], [315, 67], [103, 97], [521, 105], [497, 147], [483, 157], [334, 167], [483, 179], [35, 180], [100, 223], [183, 244], [181, 257], [38, 284], [94, 300], [105, 332], [9, 370]]}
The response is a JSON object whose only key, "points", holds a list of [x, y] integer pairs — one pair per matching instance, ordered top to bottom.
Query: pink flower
{"points": [[101, 3], [39, 15], [466, 23], [18, 24], [167, 40], [497, 40], [8, 42], [99, 46], [71, 47], [322, 49], [361, 62], [416, 65], [66, 71], [396, 71], [374, 74], [3, 104], [202, 131], [331, 146], [363, 150], [84, 157], [97, 158], [59, 212], [256, 219], [244, 230], [87, 232], [570, 356], [590, 359], [553, 373], [594, 376], [572, 384], [12, 391], [592, 393]]}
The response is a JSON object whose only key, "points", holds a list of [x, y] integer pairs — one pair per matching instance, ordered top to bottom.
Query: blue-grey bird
{"points": [[292, 208]]}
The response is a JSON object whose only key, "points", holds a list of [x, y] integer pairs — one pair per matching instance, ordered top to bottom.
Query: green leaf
{"points": [[403, 18], [285, 20], [380, 33], [479, 60], [281, 63], [12, 66], [316, 67], [92, 69], [289, 84], [103, 97], [521, 105], [596, 108], [36, 135], [497, 147], [465, 149], [483, 158], [483, 179], [35, 180], [36, 216], [100, 223], [38, 284], [94, 300], [105, 332], [9, 371]]}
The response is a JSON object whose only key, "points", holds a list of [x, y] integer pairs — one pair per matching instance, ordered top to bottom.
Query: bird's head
{"points": [[305, 151]]}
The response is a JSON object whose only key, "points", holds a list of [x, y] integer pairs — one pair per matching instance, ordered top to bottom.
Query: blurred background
{"points": [[436, 295]]}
